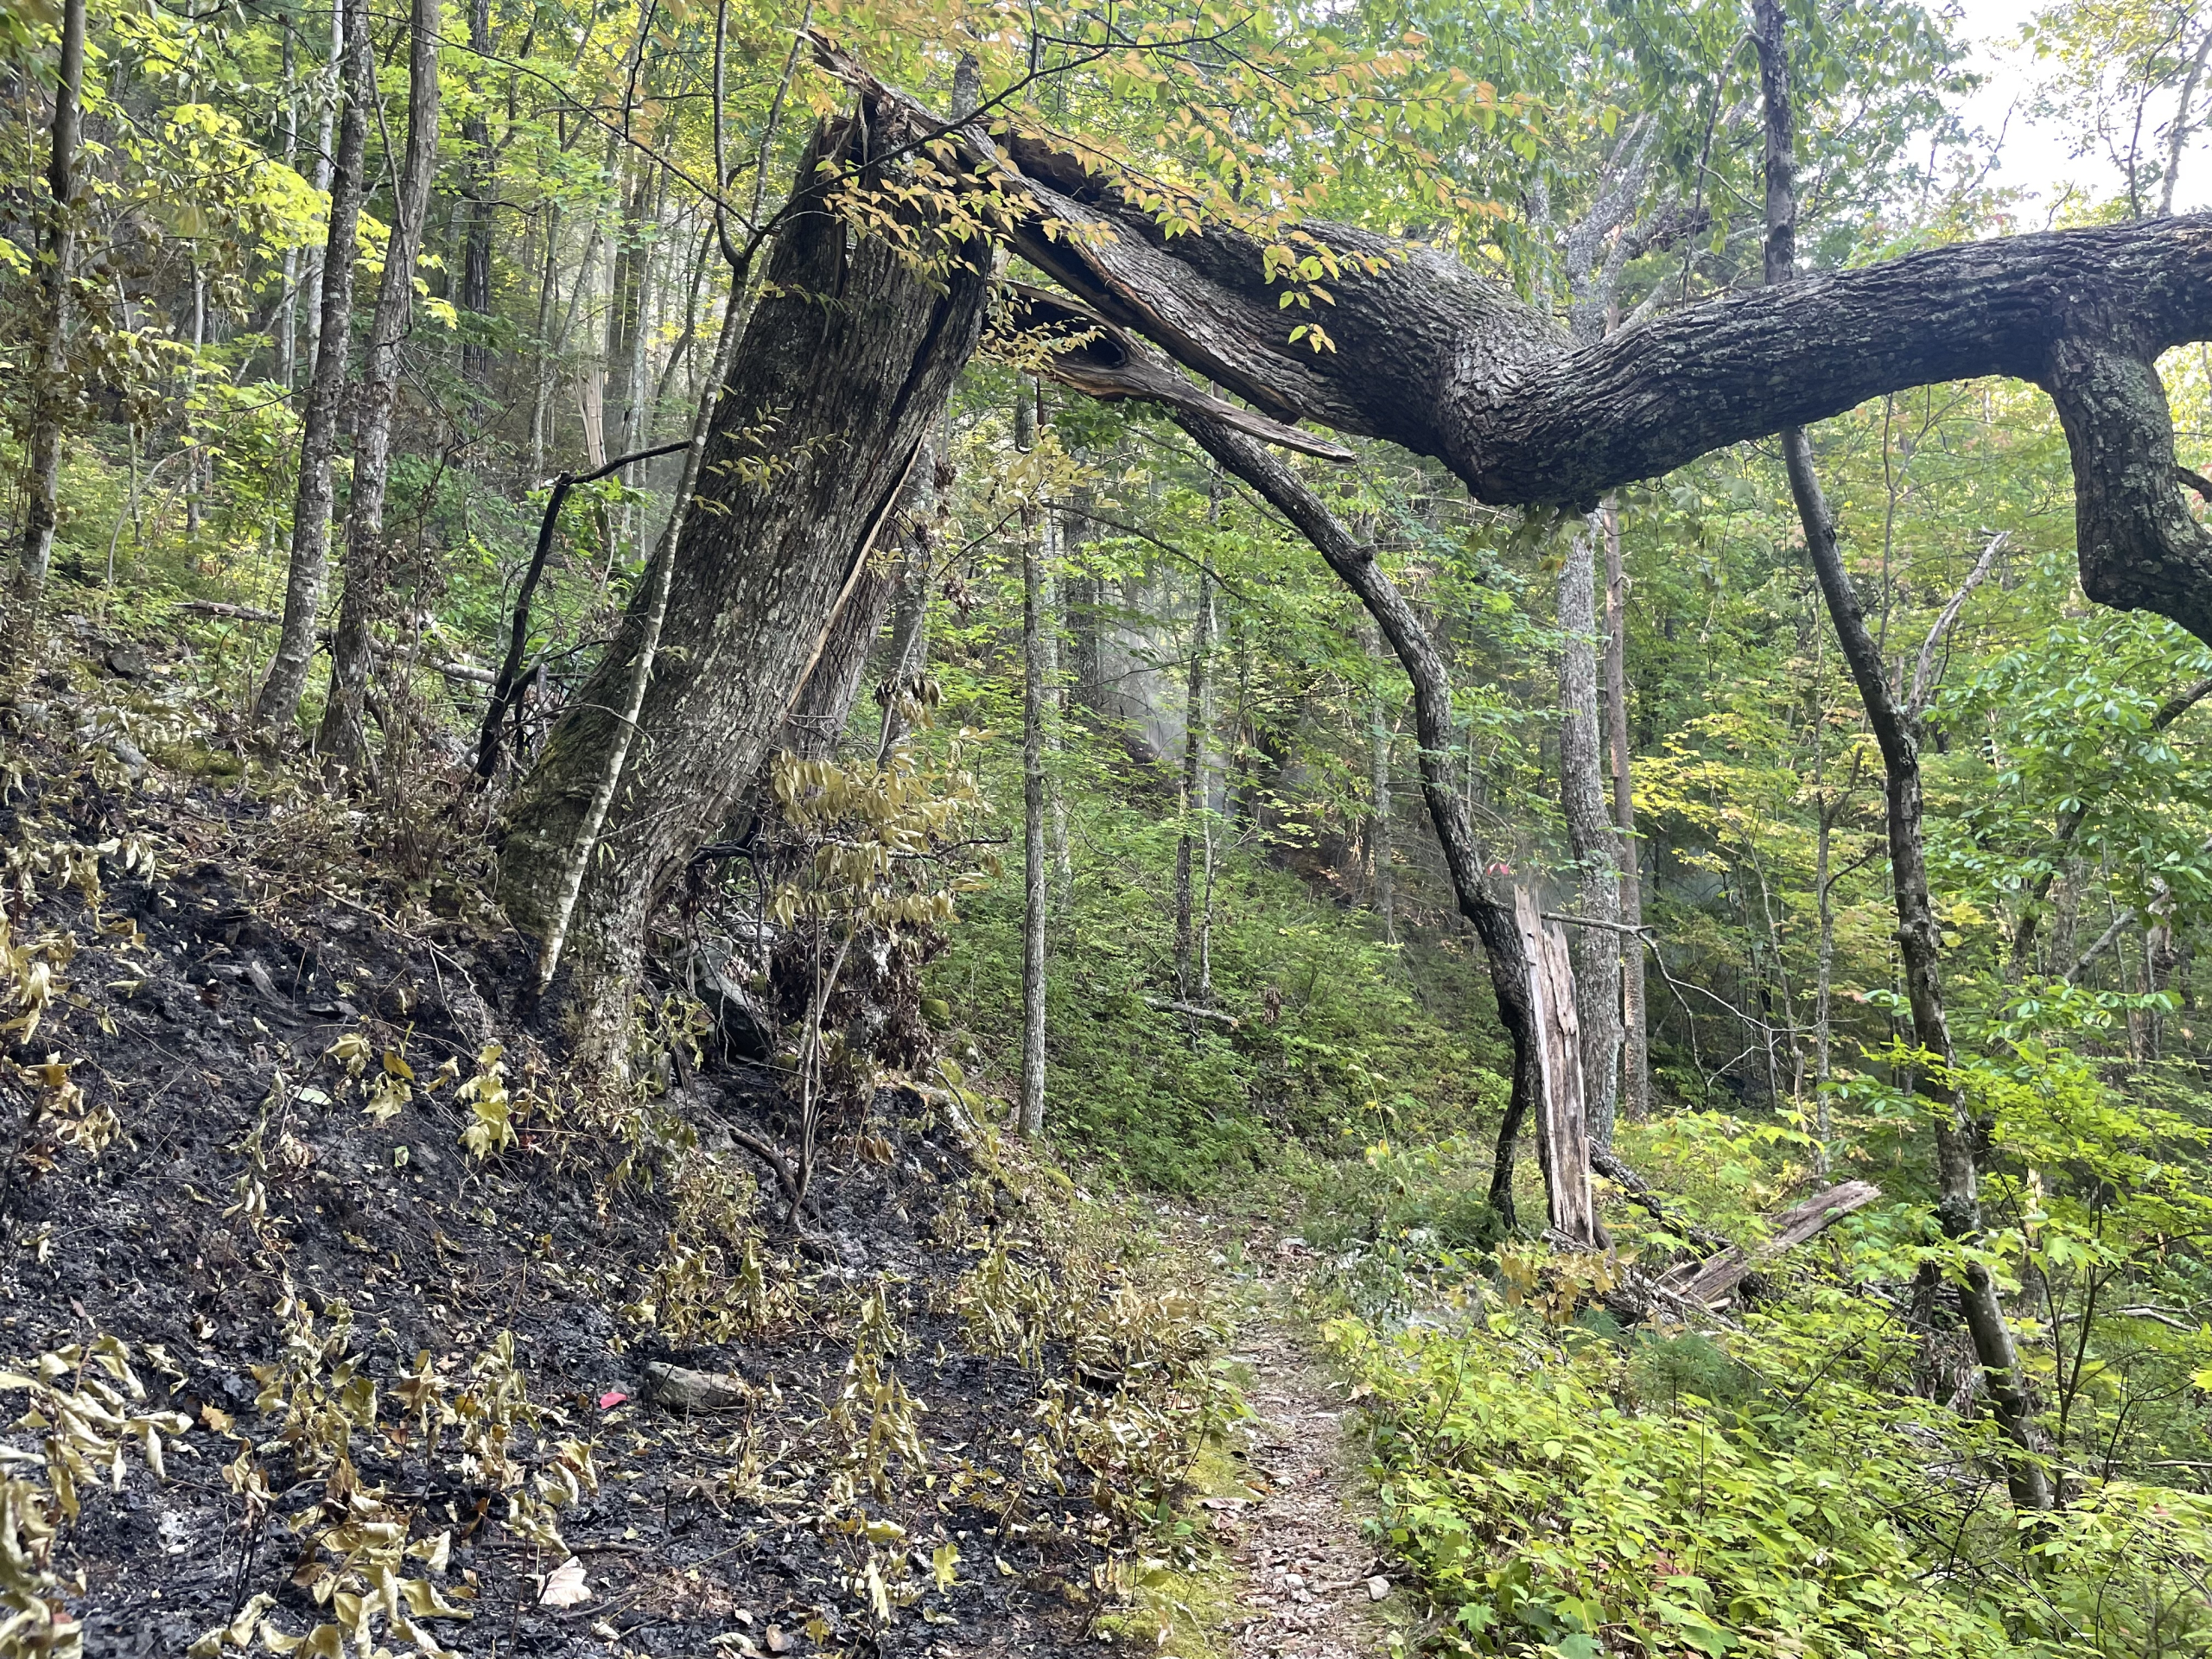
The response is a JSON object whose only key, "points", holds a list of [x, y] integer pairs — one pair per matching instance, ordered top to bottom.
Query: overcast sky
{"points": [[2035, 156]]}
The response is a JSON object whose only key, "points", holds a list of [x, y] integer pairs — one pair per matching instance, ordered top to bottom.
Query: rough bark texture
{"points": [[332, 286], [845, 360], [1452, 364], [49, 398], [907, 655], [825, 699], [342, 741], [1034, 873], [1488, 911], [1919, 942], [1596, 951], [1636, 1050]]}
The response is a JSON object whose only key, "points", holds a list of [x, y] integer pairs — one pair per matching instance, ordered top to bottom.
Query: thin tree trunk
{"points": [[2177, 133], [326, 135], [482, 184], [332, 281], [286, 325], [541, 381], [50, 399], [195, 464], [650, 622], [908, 654], [1035, 688], [342, 741], [1193, 789], [1826, 812], [1592, 835], [1380, 851], [1493, 917], [1919, 944], [1635, 1051]]}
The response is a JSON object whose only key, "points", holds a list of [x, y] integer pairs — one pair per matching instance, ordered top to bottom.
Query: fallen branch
{"points": [[230, 612], [1168, 1006], [1608, 1164], [1708, 1281]]}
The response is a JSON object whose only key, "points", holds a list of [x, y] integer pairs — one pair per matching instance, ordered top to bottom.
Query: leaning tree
{"points": [[874, 301]]}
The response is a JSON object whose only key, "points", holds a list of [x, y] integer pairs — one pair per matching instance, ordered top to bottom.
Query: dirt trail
{"points": [[1303, 1570]]}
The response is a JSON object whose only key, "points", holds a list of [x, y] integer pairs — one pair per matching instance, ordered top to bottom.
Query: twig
{"points": [[2074, 973]]}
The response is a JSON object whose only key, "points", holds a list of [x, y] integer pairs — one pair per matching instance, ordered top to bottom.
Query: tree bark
{"points": [[326, 142], [482, 184], [332, 284], [285, 324], [1452, 364], [50, 399], [815, 434], [907, 655], [824, 700], [342, 741], [1381, 853], [1034, 872], [1490, 912], [1919, 944], [1595, 951], [1190, 984], [600, 1042], [1635, 1052]]}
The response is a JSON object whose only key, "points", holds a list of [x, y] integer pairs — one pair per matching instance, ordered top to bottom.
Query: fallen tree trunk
{"points": [[1706, 1282]]}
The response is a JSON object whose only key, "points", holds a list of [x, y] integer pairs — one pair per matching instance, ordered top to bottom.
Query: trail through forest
{"points": [[1304, 1574]]}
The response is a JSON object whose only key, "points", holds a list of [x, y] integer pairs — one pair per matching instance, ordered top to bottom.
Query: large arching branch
{"points": [[1435, 357]]}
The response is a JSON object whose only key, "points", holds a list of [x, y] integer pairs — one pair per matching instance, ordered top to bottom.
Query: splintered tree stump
{"points": [[1563, 1128], [1706, 1282]]}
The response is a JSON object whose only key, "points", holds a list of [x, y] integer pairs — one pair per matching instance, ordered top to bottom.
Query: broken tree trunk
{"points": [[1562, 1127]]}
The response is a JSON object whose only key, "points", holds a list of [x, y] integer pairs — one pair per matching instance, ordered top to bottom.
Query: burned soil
{"points": [[444, 1348]]}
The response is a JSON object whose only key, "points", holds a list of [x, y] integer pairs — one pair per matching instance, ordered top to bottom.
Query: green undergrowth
{"points": [[1331, 1044], [1814, 1473]]}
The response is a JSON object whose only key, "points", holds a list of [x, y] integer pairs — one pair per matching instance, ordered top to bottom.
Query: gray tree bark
{"points": [[481, 185], [331, 283], [50, 398], [814, 434], [342, 741], [1591, 834], [1382, 853], [1034, 871], [1191, 983], [1635, 1049]]}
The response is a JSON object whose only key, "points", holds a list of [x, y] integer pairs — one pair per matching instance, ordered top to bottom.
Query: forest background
{"points": [[1171, 893]]}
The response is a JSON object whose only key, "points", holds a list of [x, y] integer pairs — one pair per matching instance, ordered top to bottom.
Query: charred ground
{"points": [[251, 1058]]}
